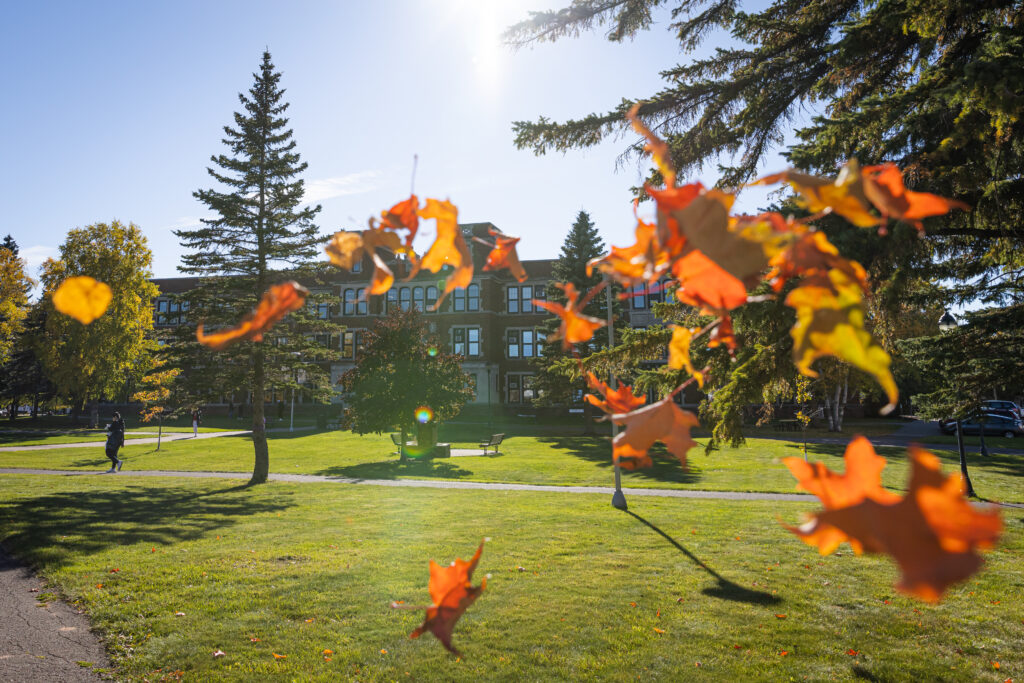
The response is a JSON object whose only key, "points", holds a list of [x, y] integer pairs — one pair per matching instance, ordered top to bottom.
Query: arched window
{"points": [[392, 297], [431, 297], [473, 297], [404, 298], [417, 298], [350, 302]]}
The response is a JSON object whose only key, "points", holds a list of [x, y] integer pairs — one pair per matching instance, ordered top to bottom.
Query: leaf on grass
{"points": [[884, 187], [845, 195], [449, 248], [503, 255], [83, 298], [278, 301], [830, 322], [576, 327], [679, 352], [621, 400], [662, 421], [932, 533], [451, 593], [852, 652], [218, 653], [277, 656]]}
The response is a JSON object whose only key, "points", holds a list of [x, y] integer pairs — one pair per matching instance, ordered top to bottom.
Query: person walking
{"points": [[195, 423], [115, 440]]}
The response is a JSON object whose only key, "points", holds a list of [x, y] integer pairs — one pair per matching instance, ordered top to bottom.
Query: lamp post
{"points": [[947, 323], [618, 497]]}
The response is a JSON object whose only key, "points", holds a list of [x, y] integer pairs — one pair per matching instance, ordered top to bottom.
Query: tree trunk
{"points": [[35, 405], [76, 410], [13, 413], [828, 413], [94, 414], [841, 414], [588, 419], [159, 430], [401, 447], [261, 466], [968, 488]]}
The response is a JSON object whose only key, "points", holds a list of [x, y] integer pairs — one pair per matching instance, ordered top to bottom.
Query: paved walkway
{"points": [[170, 436], [431, 484], [42, 641]]}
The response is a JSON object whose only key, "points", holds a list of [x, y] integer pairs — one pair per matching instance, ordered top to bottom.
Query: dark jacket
{"points": [[115, 434]]}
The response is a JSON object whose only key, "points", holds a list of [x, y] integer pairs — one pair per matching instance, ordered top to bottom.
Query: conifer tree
{"points": [[260, 235], [558, 380]]}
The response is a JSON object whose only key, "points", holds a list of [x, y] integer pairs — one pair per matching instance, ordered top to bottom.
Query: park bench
{"points": [[397, 440], [492, 442]]}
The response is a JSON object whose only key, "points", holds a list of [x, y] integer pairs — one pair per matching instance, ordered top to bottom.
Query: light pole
{"points": [[947, 323], [618, 497]]}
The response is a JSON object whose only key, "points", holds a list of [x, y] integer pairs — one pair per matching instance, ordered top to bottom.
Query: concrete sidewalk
{"points": [[172, 436]]}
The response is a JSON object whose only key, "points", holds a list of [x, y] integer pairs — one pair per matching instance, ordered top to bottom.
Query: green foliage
{"points": [[260, 234], [14, 288], [96, 361], [400, 370]]}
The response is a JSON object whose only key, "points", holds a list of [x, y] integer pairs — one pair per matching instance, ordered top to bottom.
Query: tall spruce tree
{"points": [[932, 86], [260, 235], [558, 380]]}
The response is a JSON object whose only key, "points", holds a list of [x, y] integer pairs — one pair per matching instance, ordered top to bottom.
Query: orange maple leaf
{"points": [[884, 187], [844, 195], [403, 215], [449, 248], [503, 255], [812, 255], [644, 261], [705, 285], [83, 298], [277, 302], [575, 327], [723, 335], [621, 400], [662, 421], [932, 533], [452, 593]]}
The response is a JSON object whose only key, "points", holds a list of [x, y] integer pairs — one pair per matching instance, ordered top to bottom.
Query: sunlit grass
{"points": [[314, 566]]}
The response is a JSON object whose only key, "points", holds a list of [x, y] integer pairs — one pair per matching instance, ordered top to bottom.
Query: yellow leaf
{"points": [[844, 195], [83, 298], [830, 322], [679, 352]]}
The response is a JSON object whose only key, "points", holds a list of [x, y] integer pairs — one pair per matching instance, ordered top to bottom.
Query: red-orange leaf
{"points": [[655, 145], [884, 187], [405, 215], [449, 248], [503, 255], [645, 261], [704, 284], [277, 302], [575, 327], [723, 335], [621, 400], [662, 421], [932, 533], [452, 593]]}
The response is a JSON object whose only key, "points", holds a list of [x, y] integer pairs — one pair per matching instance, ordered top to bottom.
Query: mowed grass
{"points": [[554, 460], [677, 590]]}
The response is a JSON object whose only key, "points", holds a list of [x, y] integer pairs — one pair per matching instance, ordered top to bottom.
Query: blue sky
{"points": [[113, 109]]}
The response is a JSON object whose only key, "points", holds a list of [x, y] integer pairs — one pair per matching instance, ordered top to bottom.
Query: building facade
{"points": [[493, 323]]}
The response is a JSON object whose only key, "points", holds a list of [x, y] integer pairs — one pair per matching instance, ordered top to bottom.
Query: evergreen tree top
{"points": [[10, 245]]}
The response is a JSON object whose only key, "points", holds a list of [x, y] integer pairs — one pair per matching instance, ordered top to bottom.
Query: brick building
{"points": [[493, 323]]}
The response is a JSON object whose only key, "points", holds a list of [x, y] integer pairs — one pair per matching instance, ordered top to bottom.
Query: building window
{"points": [[357, 267], [431, 297], [405, 298], [417, 298], [519, 298], [392, 299], [467, 299], [639, 299], [361, 301], [349, 302], [323, 310], [466, 341], [522, 343], [351, 344], [519, 387]]}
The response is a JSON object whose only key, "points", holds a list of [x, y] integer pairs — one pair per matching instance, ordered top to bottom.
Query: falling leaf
{"points": [[655, 145], [884, 187], [845, 195], [403, 215], [449, 248], [345, 249], [503, 255], [812, 255], [645, 261], [704, 284], [82, 298], [277, 302], [830, 322], [576, 327], [723, 335], [679, 352], [621, 400], [662, 421], [861, 481], [932, 533], [452, 593], [218, 653], [277, 656]]}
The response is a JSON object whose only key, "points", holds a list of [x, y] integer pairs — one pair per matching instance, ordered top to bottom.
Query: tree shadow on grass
{"points": [[597, 450], [428, 468], [46, 530], [724, 588]]}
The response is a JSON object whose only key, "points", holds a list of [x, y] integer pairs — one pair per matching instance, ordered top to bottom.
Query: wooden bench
{"points": [[397, 440], [492, 442]]}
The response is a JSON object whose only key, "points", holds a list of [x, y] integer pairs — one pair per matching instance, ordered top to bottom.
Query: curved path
{"points": [[170, 436]]}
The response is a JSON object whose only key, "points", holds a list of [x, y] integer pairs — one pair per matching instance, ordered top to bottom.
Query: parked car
{"points": [[1004, 408], [998, 425]]}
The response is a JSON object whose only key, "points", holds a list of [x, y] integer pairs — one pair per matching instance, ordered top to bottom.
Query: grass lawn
{"points": [[556, 460], [677, 590]]}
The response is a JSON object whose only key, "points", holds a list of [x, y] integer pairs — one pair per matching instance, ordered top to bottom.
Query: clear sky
{"points": [[113, 109]]}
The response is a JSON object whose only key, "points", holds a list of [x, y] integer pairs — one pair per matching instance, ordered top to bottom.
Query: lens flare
{"points": [[432, 351], [424, 414]]}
